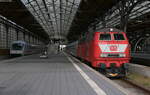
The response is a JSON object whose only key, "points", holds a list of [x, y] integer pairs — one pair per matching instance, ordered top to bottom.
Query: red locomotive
{"points": [[106, 49]]}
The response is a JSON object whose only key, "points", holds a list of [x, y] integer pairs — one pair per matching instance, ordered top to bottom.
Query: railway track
{"points": [[141, 61], [132, 87]]}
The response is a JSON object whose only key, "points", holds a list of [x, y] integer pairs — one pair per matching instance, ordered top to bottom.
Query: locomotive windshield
{"points": [[105, 37], [119, 37], [17, 46]]}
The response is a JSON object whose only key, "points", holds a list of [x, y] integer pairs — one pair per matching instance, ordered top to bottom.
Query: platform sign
{"points": [[5, 1]]}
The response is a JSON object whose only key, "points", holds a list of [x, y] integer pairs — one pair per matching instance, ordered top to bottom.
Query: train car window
{"points": [[105, 37], [119, 37], [83, 39], [17, 46]]}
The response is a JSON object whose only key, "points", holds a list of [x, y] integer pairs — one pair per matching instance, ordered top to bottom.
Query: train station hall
{"points": [[74, 47]]}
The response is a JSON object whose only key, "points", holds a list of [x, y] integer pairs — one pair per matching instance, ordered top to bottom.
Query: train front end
{"points": [[17, 48], [111, 53]]}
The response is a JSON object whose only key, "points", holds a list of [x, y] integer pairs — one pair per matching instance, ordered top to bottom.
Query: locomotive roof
{"points": [[109, 30], [19, 41]]}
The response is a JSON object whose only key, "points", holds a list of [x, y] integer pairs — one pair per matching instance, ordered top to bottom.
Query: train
{"points": [[23, 48], [107, 50]]}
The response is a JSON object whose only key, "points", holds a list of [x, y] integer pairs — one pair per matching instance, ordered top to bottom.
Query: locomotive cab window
{"points": [[105, 37], [119, 37], [17, 46]]}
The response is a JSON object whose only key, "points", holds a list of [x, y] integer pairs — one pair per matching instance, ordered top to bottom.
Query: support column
{"points": [[125, 7], [17, 34], [7, 36], [24, 36], [29, 36]]}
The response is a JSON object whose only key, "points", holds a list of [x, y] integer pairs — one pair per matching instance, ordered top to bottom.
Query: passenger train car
{"points": [[23, 48], [107, 50]]}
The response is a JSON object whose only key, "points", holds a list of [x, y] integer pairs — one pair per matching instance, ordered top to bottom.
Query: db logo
{"points": [[113, 48]]}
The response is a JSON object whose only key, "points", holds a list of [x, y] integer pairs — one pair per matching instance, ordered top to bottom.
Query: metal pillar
{"points": [[125, 7], [17, 34], [24, 36], [7, 38], [29, 38]]}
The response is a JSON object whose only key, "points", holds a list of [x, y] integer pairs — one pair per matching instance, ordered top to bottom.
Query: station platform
{"points": [[140, 55], [4, 57], [140, 58], [59, 74]]}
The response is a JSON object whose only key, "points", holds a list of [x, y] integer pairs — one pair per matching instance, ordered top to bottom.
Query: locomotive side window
{"points": [[105, 37], [119, 37]]}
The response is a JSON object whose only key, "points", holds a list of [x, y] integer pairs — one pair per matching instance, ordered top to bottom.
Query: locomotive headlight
{"points": [[104, 55], [122, 55]]}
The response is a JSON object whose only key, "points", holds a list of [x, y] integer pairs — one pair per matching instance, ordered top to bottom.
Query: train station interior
{"points": [[46, 47]]}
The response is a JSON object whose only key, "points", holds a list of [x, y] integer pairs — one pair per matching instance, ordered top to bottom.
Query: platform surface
{"points": [[140, 55], [57, 75]]}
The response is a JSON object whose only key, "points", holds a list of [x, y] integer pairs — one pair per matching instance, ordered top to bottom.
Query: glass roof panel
{"points": [[53, 15]]}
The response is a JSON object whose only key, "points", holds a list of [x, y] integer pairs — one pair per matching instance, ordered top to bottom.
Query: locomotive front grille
{"points": [[113, 55]]}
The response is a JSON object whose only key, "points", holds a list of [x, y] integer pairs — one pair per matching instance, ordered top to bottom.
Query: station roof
{"points": [[89, 12], [18, 13], [56, 18], [62, 18], [140, 22]]}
